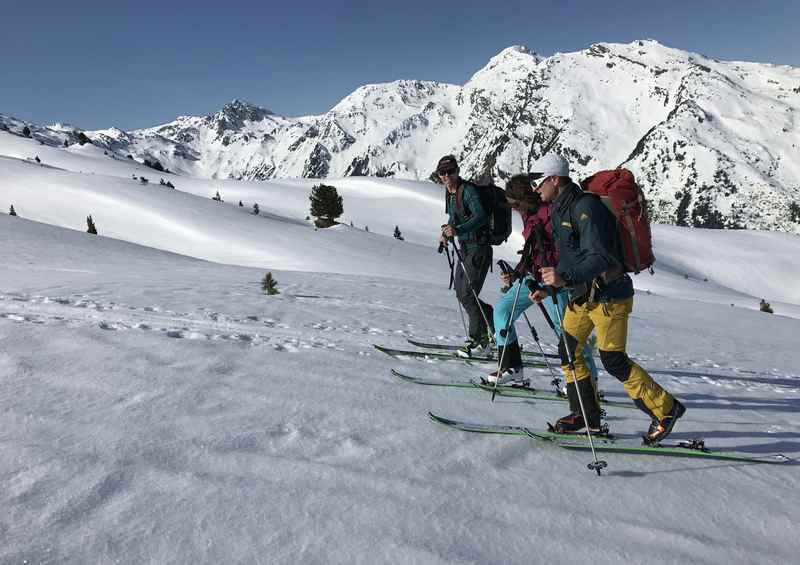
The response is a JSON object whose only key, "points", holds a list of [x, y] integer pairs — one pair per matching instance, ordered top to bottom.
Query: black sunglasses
{"points": [[447, 172]]}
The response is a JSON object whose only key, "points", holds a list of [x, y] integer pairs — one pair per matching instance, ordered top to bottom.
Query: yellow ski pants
{"points": [[610, 322]]}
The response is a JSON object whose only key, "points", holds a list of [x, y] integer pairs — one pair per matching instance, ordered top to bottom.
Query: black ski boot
{"points": [[511, 370], [574, 422]]}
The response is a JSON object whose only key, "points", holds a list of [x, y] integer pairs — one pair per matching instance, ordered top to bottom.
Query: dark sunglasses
{"points": [[447, 172]]}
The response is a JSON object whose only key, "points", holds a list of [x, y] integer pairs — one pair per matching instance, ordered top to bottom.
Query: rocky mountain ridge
{"points": [[713, 143]]}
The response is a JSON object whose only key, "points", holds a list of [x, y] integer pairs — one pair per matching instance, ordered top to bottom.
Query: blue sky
{"points": [[136, 64]]}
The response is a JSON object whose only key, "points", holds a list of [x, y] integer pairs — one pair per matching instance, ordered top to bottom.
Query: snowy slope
{"points": [[60, 191], [159, 408]]}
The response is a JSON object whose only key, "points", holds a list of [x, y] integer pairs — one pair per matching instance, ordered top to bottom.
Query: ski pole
{"points": [[443, 247], [533, 286], [474, 293], [504, 334], [556, 382], [596, 465]]}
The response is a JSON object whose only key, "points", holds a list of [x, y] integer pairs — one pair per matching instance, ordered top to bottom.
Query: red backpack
{"points": [[620, 193]]}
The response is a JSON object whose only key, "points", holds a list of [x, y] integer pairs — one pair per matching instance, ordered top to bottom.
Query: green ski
{"points": [[452, 347], [448, 355], [502, 390], [694, 449]]}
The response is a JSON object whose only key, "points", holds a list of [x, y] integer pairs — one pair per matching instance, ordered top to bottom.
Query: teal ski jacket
{"points": [[468, 218]]}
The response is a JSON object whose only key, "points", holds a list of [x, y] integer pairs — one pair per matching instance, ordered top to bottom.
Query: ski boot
{"points": [[474, 348], [574, 422], [661, 429]]}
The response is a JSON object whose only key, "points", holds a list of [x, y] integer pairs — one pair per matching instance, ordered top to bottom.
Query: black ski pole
{"points": [[443, 247], [474, 293], [504, 335], [556, 382], [596, 466]]}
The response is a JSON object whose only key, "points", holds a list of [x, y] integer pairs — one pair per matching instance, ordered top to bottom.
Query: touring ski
{"points": [[453, 347], [448, 355], [502, 390], [693, 448]]}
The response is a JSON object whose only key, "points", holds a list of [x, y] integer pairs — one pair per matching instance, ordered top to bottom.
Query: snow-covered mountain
{"points": [[713, 143]]}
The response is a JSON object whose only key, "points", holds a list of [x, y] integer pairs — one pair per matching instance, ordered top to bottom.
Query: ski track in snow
{"points": [[203, 324], [255, 330]]}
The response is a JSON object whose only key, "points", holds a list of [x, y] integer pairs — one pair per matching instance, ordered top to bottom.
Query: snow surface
{"points": [[156, 407]]}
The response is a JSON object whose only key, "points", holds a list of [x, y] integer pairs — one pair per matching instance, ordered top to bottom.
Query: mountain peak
{"points": [[515, 52], [240, 110], [235, 113]]}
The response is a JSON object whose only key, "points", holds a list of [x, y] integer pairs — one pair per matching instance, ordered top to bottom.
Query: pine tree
{"points": [[26, 131], [66, 143], [326, 205], [256, 209], [11, 211], [91, 227], [397, 234], [269, 285]]}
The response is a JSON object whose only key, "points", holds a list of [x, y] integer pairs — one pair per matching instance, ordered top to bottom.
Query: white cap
{"points": [[550, 165]]}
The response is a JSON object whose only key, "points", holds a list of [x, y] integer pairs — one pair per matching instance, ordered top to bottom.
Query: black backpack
{"points": [[493, 200]]}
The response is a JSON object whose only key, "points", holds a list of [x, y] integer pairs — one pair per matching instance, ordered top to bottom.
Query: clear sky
{"points": [[134, 64]]}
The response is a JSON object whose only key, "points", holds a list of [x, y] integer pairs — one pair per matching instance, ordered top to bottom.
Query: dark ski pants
{"points": [[477, 260]]}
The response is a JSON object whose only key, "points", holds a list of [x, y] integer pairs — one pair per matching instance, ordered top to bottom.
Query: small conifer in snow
{"points": [[26, 131], [326, 205], [11, 211], [90, 224], [269, 285]]}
